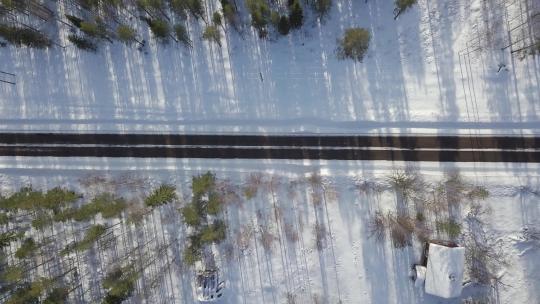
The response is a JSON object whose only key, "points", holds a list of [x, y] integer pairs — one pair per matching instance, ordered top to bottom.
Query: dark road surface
{"points": [[399, 148]]}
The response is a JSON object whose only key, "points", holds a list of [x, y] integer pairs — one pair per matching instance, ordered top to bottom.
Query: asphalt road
{"points": [[399, 148]]}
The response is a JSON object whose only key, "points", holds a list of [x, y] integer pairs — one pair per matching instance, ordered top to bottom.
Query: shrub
{"points": [[12, 4], [150, 4], [402, 6], [179, 7], [322, 7], [196, 8], [229, 13], [260, 15], [216, 18], [274, 18], [94, 29], [160, 29], [211, 33], [125, 34], [182, 34], [19, 36], [83, 43], [354, 44], [406, 183], [202, 184], [453, 188], [250, 191], [478, 192], [165, 194], [58, 197], [24, 199], [28, 199], [214, 204], [108, 205], [136, 215], [191, 215], [4, 219], [42, 220], [377, 226], [450, 227], [401, 229], [214, 233], [290, 233], [90, 237], [6, 238], [267, 238], [400, 238], [27, 248], [191, 255], [484, 257], [12, 274], [119, 284], [38, 286], [23, 294], [57, 295]]}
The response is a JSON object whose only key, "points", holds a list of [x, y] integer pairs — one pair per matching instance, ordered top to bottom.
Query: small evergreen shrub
{"points": [[296, 15], [211, 33], [125, 34], [182, 34], [20, 36], [83, 43], [354, 44], [203, 184], [164, 194], [450, 227], [27, 249]]}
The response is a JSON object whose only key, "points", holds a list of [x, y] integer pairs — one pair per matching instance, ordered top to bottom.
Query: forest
{"points": [[93, 23]]}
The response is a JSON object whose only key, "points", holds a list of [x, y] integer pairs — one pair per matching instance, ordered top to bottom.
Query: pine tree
{"points": [[322, 7], [296, 15], [284, 26]]}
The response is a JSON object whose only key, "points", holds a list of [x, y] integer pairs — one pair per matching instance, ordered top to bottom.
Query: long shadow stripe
{"points": [[275, 153]]}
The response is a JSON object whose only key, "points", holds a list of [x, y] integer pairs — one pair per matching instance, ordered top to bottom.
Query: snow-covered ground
{"points": [[433, 70], [349, 266]]}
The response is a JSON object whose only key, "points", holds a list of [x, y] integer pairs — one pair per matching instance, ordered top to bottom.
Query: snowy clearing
{"points": [[438, 68], [297, 237]]}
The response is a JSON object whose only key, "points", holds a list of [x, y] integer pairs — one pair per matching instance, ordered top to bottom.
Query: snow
{"points": [[433, 70], [350, 265], [419, 276], [444, 276]]}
